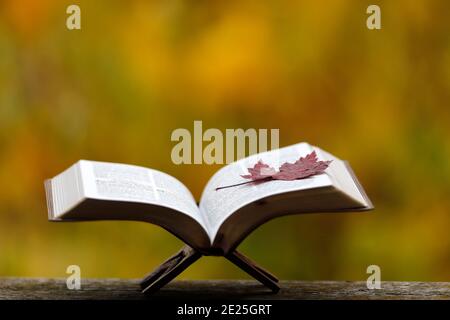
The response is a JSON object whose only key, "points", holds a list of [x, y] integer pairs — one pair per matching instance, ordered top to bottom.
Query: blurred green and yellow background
{"points": [[116, 89]]}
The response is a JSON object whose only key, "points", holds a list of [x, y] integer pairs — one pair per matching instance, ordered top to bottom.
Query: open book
{"points": [[91, 190]]}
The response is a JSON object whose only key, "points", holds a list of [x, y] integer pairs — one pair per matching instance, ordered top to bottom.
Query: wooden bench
{"points": [[100, 289]]}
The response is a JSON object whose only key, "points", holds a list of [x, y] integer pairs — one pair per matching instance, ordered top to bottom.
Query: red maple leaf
{"points": [[300, 169]]}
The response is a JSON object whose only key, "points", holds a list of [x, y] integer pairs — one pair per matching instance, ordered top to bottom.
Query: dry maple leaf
{"points": [[302, 168]]}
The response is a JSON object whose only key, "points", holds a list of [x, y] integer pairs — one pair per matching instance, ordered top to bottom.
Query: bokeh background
{"points": [[137, 70]]}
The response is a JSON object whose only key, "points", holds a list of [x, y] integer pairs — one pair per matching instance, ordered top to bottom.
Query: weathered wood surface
{"points": [[100, 289]]}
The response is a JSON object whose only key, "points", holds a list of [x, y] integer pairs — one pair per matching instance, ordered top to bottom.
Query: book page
{"points": [[341, 176], [122, 182], [216, 206]]}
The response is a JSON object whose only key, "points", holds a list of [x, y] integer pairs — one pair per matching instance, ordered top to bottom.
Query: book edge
{"points": [[358, 184], [49, 199]]}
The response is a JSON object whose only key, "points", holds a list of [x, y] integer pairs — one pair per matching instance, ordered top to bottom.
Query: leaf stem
{"points": [[245, 182]]}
